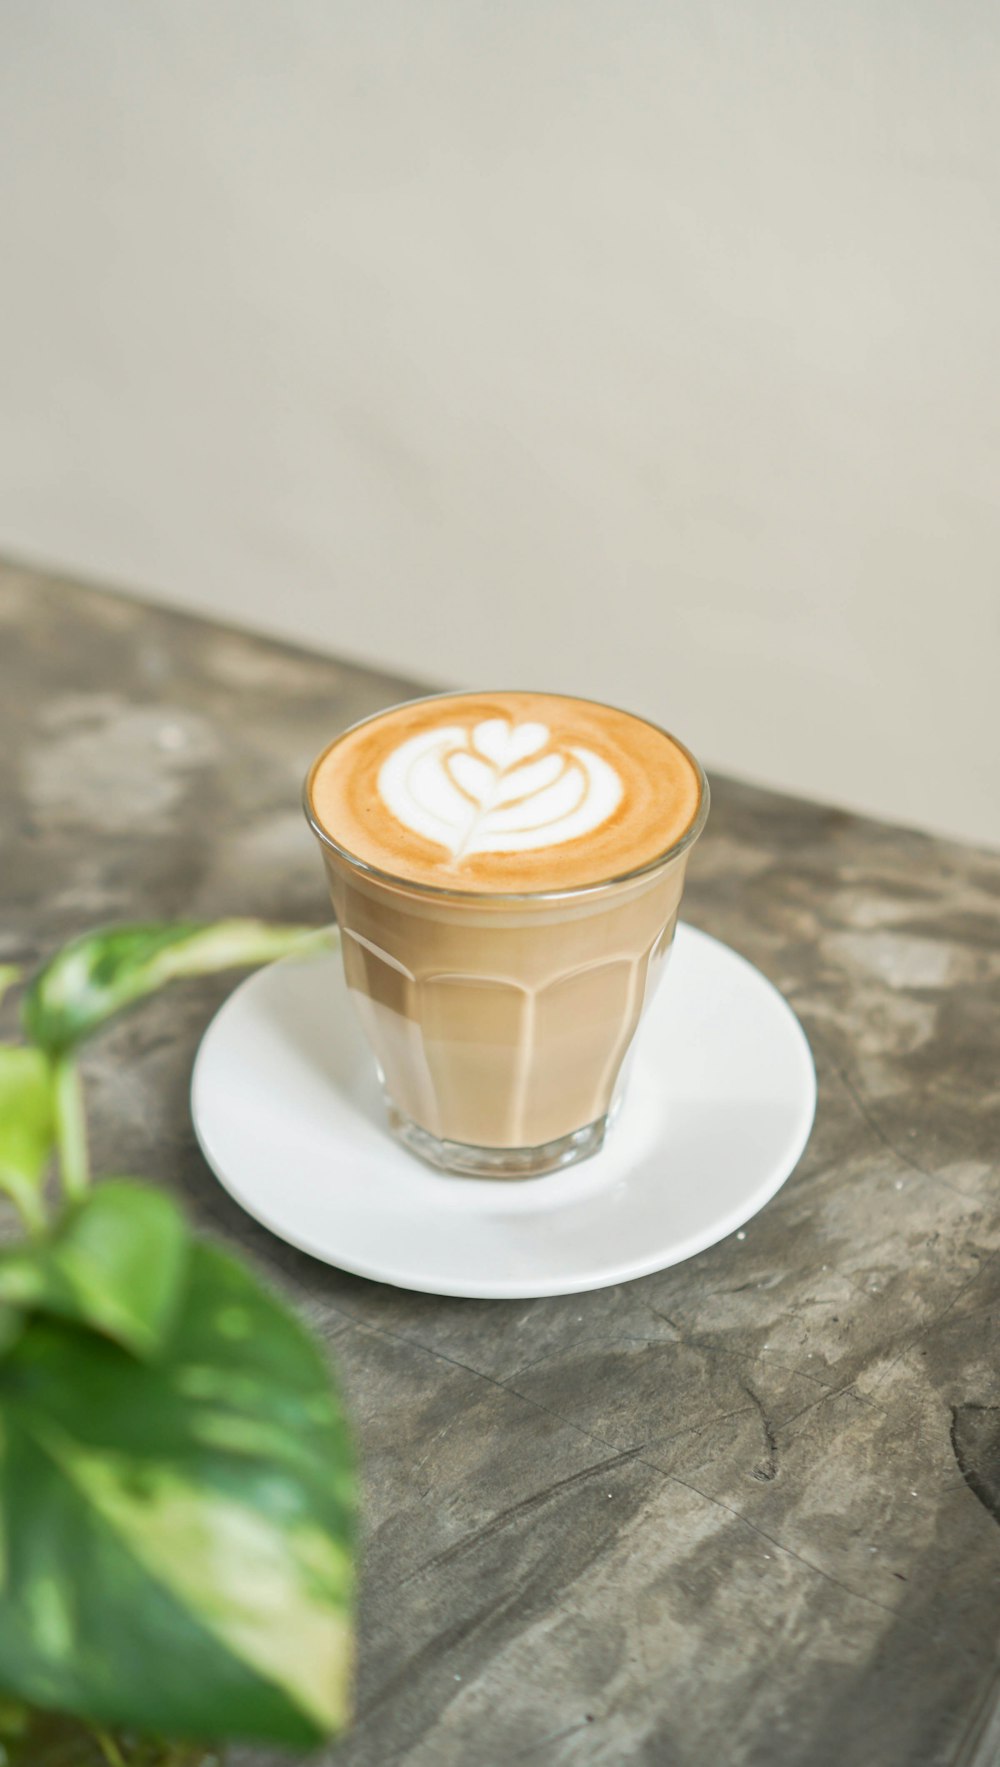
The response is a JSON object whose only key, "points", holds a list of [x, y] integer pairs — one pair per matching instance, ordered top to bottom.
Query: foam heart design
{"points": [[497, 787]]}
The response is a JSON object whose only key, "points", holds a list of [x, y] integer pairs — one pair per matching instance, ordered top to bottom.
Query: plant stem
{"points": [[9, 974], [71, 1126], [26, 1200], [109, 1748], [144, 1752]]}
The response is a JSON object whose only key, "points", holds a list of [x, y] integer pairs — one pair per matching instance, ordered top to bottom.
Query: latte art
{"points": [[499, 787], [503, 793]]}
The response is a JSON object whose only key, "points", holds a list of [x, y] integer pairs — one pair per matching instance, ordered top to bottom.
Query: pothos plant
{"points": [[176, 1479]]}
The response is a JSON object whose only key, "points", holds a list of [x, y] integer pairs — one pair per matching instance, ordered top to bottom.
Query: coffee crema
{"points": [[505, 792]]}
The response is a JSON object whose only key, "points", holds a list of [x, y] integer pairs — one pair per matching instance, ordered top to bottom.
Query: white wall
{"points": [[648, 350]]}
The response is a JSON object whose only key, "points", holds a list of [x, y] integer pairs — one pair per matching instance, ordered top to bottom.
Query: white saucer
{"points": [[721, 1100]]}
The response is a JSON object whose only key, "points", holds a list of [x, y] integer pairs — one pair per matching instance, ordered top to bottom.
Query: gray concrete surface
{"points": [[742, 1512]]}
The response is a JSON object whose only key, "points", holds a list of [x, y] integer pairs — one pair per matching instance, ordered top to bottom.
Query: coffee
{"points": [[505, 792], [506, 871]]}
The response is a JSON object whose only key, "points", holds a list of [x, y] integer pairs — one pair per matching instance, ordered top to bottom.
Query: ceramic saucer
{"points": [[289, 1114]]}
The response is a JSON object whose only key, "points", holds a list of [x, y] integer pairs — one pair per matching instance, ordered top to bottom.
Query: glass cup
{"points": [[501, 1023]]}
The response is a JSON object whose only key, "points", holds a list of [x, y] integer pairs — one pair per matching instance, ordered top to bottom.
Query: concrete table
{"points": [[742, 1512]]}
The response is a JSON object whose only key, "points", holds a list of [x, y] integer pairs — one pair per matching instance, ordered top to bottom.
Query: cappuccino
{"points": [[506, 870]]}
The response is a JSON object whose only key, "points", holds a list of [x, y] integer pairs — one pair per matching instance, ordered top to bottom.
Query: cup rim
{"points": [[486, 897]]}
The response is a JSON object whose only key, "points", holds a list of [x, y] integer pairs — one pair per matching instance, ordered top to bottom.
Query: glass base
{"points": [[498, 1162]]}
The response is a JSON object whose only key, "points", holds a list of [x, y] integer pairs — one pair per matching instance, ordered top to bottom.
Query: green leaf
{"points": [[96, 976], [27, 1126], [115, 1263], [12, 1323], [179, 1535], [15, 1718], [38, 1740], [45, 1740]]}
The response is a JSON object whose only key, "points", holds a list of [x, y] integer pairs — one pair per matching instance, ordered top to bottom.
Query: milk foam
{"points": [[500, 787], [503, 793]]}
